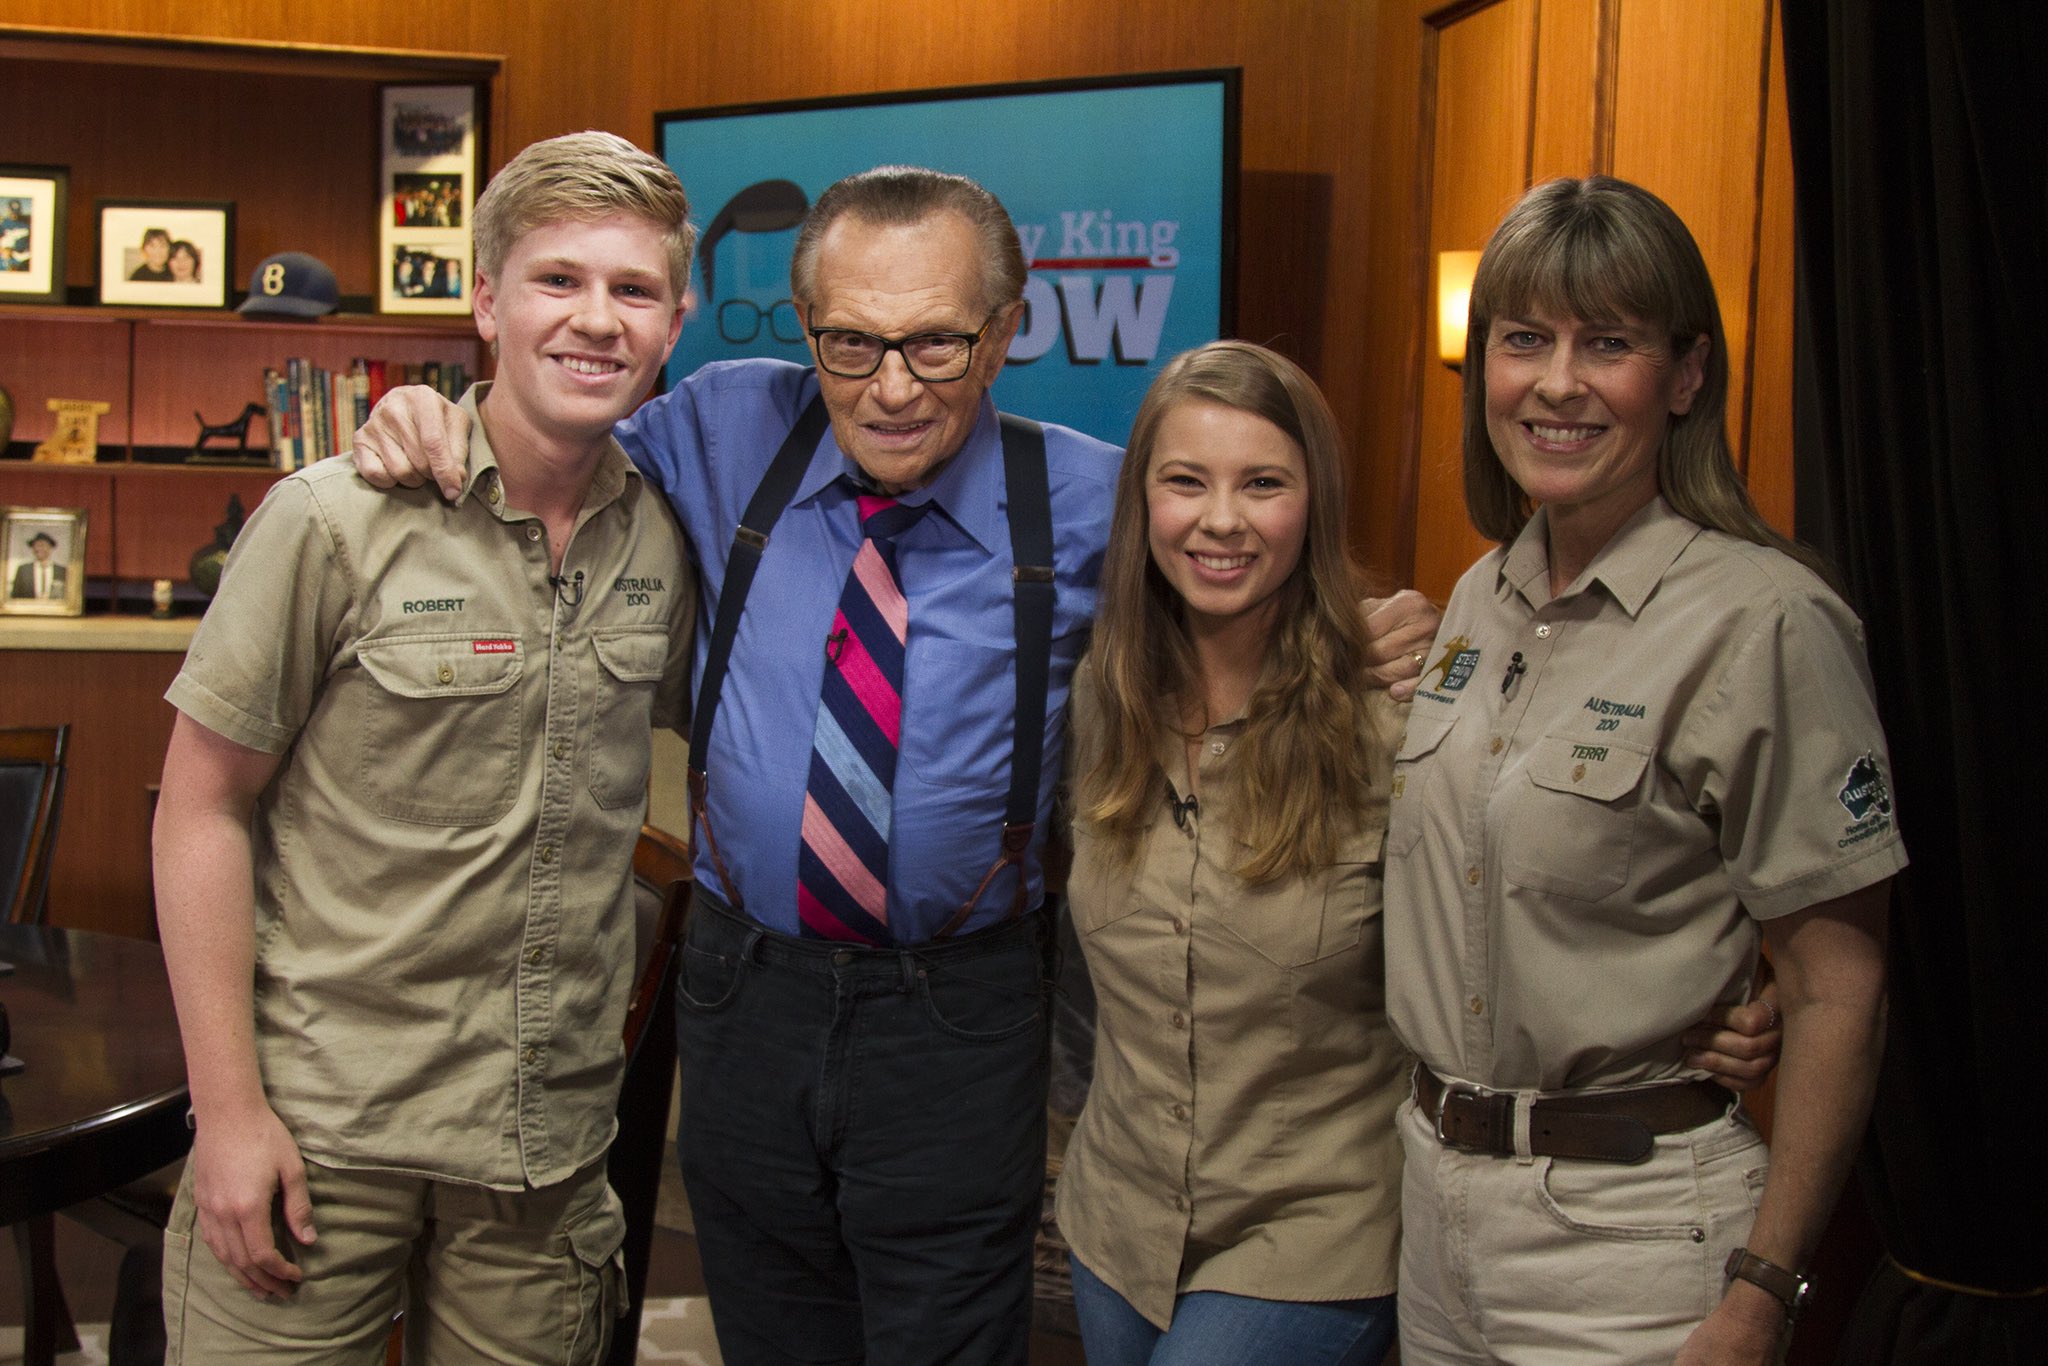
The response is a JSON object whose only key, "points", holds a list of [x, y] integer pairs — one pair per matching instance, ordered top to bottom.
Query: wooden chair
{"points": [[31, 800], [31, 803], [661, 876]]}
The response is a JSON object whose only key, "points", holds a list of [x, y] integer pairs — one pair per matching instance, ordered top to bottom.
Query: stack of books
{"points": [[314, 411]]}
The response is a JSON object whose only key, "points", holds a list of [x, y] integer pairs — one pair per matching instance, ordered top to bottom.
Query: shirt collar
{"points": [[615, 478], [969, 487], [1630, 565]]}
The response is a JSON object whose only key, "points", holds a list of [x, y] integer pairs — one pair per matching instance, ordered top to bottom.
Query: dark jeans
{"points": [[863, 1141]]}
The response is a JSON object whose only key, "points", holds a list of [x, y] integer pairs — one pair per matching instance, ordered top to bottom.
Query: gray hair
{"points": [[902, 195]]}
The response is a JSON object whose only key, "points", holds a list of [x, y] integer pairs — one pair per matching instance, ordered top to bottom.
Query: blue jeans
{"points": [[863, 1141], [1211, 1328]]}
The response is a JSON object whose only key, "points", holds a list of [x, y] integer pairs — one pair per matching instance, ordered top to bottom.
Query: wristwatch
{"points": [[1789, 1288]]}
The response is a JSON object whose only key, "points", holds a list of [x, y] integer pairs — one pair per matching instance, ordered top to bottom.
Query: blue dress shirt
{"points": [[706, 444]]}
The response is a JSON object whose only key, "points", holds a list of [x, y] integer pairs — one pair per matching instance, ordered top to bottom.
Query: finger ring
{"points": [[1418, 657], [1772, 1024]]}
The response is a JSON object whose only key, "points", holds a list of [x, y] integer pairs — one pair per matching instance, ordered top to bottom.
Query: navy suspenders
{"points": [[1030, 518]]}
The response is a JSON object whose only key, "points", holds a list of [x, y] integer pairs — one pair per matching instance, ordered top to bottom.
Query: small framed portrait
{"points": [[431, 152], [427, 201], [33, 202], [166, 253], [429, 272], [44, 569]]}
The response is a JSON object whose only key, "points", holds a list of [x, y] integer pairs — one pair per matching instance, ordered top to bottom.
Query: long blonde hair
{"points": [[1605, 248], [1300, 776]]}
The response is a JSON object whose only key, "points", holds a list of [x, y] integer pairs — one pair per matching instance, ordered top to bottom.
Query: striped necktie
{"points": [[843, 867]]}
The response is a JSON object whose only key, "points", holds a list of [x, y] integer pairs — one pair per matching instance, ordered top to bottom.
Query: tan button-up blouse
{"points": [[1601, 793], [1239, 1135]]}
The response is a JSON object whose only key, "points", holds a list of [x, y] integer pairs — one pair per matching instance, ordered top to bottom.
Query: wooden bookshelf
{"points": [[289, 133], [157, 368]]}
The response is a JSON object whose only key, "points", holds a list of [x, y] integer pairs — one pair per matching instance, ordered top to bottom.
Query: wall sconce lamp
{"points": [[1454, 270]]}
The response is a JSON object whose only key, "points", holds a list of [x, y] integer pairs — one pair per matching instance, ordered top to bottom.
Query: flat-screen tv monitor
{"points": [[1123, 191]]}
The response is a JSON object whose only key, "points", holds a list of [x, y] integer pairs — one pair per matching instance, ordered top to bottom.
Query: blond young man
{"points": [[395, 836]]}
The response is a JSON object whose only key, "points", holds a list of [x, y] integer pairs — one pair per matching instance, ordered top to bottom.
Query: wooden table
{"points": [[102, 1099]]}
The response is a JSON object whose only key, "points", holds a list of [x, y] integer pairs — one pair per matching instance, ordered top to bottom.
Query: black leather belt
{"points": [[1606, 1126]]}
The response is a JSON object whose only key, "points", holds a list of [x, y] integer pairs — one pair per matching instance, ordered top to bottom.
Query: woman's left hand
{"points": [[1401, 628], [1738, 1044]]}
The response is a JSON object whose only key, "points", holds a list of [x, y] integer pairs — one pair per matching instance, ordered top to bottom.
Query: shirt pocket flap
{"points": [[633, 654], [472, 664], [1423, 735], [1603, 772]]}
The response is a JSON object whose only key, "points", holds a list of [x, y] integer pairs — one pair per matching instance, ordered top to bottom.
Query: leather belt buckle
{"points": [[1461, 1110]]}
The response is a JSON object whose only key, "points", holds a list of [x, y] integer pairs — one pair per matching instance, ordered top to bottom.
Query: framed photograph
{"points": [[431, 156], [1123, 190], [33, 202], [166, 253], [430, 271], [44, 569]]}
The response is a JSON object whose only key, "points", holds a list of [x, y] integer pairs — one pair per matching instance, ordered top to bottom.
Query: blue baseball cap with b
{"points": [[291, 284]]}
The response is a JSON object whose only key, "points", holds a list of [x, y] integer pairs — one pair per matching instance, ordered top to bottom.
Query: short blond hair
{"points": [[580, 177]]}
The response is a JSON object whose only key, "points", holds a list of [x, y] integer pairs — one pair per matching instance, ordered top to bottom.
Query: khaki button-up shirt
{"points": [[1601, 793], [444, 939], [1239, 1133]]}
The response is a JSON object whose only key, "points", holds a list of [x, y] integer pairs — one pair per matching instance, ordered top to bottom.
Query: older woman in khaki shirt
{"points": [[1645, 738]]}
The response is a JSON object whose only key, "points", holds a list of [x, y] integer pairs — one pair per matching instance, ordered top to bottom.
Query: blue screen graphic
{"points": [[1118, 192]]}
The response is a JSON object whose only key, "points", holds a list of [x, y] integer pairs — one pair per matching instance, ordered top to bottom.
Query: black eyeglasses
{"points": [[934, 357]]}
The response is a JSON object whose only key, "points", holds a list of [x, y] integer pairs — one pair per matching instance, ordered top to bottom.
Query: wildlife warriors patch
{"points": [[1454, 670]]}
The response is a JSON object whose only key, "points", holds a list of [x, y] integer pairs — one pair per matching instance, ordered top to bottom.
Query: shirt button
{"points": [[494, 496], [533, 533], [1543, 631], [446, 674], [1496, 746], [1217, 747], [561, 749], [1578, 772], [547, 853], [1472, 875], [1179, 926], [535, 954], [1478, 1005], [1180, 1021], [529, 1055], [1180, 1112], [1180, 1204]]}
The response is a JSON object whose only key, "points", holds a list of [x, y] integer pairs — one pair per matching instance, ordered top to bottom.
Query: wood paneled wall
{"points": [[1310, 68], [1474, 103], [1357, 118], [120, 726]]}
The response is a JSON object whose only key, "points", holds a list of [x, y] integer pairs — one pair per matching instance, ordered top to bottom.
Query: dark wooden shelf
{"points": [[35, 42]]}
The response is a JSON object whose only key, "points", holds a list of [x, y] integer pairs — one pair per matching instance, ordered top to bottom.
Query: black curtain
{"points": [[1920, 156]]}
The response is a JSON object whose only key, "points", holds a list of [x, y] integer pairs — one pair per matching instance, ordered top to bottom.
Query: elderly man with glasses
{"points": [[902, 583]]}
